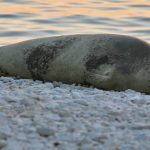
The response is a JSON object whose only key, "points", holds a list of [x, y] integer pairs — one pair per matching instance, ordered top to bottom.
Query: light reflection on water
{"points": [[25, 19]]}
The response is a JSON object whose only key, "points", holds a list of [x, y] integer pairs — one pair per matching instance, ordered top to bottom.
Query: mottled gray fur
{"points": [[107, 61]]}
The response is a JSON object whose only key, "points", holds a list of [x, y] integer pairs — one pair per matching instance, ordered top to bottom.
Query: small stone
{"points": [[56, 84], [49, 85], [76, 95], [57, 97], [10, 99], [139, 102], [81, 103], [114, 111], [64, 114], [141, 126], [45, 131], [3, 136], [2, 144], [56, 144]]}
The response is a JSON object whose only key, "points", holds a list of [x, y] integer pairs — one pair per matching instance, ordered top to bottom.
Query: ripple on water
{"points": [[20, 1], [140, 6], [18, 15], [34, 18], [85, 19], [139, 19], [43, 21], [142, 32], [12, 33], [27, 33]]}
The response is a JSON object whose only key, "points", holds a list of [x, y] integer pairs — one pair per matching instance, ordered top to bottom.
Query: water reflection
{"points": [[26, 19]]}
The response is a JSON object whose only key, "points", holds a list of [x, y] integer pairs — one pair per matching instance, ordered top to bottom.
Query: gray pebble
{"points": [[45, 131], [3, 144]]}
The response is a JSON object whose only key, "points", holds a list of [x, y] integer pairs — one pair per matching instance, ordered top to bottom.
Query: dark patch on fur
{"points": [[39, 57], [93, 62], [3, 72]]}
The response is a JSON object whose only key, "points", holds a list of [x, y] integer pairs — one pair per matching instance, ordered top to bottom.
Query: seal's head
{"points": [[119, 63]]}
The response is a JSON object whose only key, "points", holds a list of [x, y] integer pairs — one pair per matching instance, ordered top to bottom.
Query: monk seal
{"points": [[106, 61]]}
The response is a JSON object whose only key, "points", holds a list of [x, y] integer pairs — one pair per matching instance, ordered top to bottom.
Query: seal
{"points": [[106, 61]]}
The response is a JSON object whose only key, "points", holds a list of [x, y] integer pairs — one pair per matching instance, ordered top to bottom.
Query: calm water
{"points": [[25, 19]]}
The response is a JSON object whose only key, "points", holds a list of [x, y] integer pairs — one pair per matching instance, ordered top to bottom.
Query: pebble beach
{"points": [[43, 116]]}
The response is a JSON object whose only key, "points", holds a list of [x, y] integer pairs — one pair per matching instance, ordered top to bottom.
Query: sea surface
{"points": [[26, 19]]}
